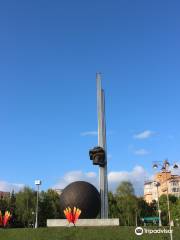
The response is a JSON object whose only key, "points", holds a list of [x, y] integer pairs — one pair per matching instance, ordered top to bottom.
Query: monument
{"points": [[99, 154], [83, 195]]}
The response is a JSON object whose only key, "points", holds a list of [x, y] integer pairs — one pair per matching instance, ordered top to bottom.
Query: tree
{"points": [[125, 189], [126, 203], [4, 204], [25, 206], [49, 206], [12, 208], [174, 208], [113, 209], [175, 212]]}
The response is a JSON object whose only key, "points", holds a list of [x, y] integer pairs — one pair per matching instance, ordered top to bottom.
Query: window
{"points": [[174, 183], [175, 189]]}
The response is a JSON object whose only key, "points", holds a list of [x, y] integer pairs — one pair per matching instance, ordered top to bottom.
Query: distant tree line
{"points": [[123, 204], [22, 206], [130, 209]]}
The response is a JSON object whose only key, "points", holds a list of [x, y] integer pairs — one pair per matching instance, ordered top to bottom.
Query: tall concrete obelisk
{"points": [[103, 183]]}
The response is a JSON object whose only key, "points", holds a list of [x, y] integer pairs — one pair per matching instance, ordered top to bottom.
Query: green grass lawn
{"points": [[82, 233]]}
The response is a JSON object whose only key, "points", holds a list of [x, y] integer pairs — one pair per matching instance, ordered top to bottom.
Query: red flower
{"points": [[72, 215]]}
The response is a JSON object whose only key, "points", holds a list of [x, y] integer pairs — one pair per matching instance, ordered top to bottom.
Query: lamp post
{"points": [[165, 165], [37, 183], [157, 184], [33, 218]]}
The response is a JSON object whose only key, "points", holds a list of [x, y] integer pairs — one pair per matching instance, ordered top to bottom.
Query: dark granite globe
{"points": [[82, 195]]}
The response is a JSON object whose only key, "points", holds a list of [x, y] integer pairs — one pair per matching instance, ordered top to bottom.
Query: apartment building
{"points": [[162, 182], [4, 194]]}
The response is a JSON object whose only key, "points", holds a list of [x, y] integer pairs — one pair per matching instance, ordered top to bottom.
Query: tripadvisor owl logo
{"points": [[139, 231]]}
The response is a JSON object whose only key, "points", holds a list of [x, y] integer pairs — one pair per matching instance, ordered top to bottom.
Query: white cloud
{"points": [[89, 133], [144, 135], [141, 152], [91, 174], [73, 176], [136, 177], [9, 187]]}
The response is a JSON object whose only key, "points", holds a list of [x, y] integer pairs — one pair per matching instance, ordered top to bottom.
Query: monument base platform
{"points": [[83, 222]]}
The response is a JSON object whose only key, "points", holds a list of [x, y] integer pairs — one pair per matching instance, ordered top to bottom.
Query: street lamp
{"points": [[164, 167], [37, 183], [157, 184]]}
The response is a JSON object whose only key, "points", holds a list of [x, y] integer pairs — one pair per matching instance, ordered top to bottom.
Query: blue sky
{"points": [[50, 52]]}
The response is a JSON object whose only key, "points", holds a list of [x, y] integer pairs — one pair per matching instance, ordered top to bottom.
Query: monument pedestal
{"points": [[83, 222]]}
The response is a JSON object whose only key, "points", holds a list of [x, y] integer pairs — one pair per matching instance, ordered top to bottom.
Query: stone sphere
{"points": [[82, 195]]}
